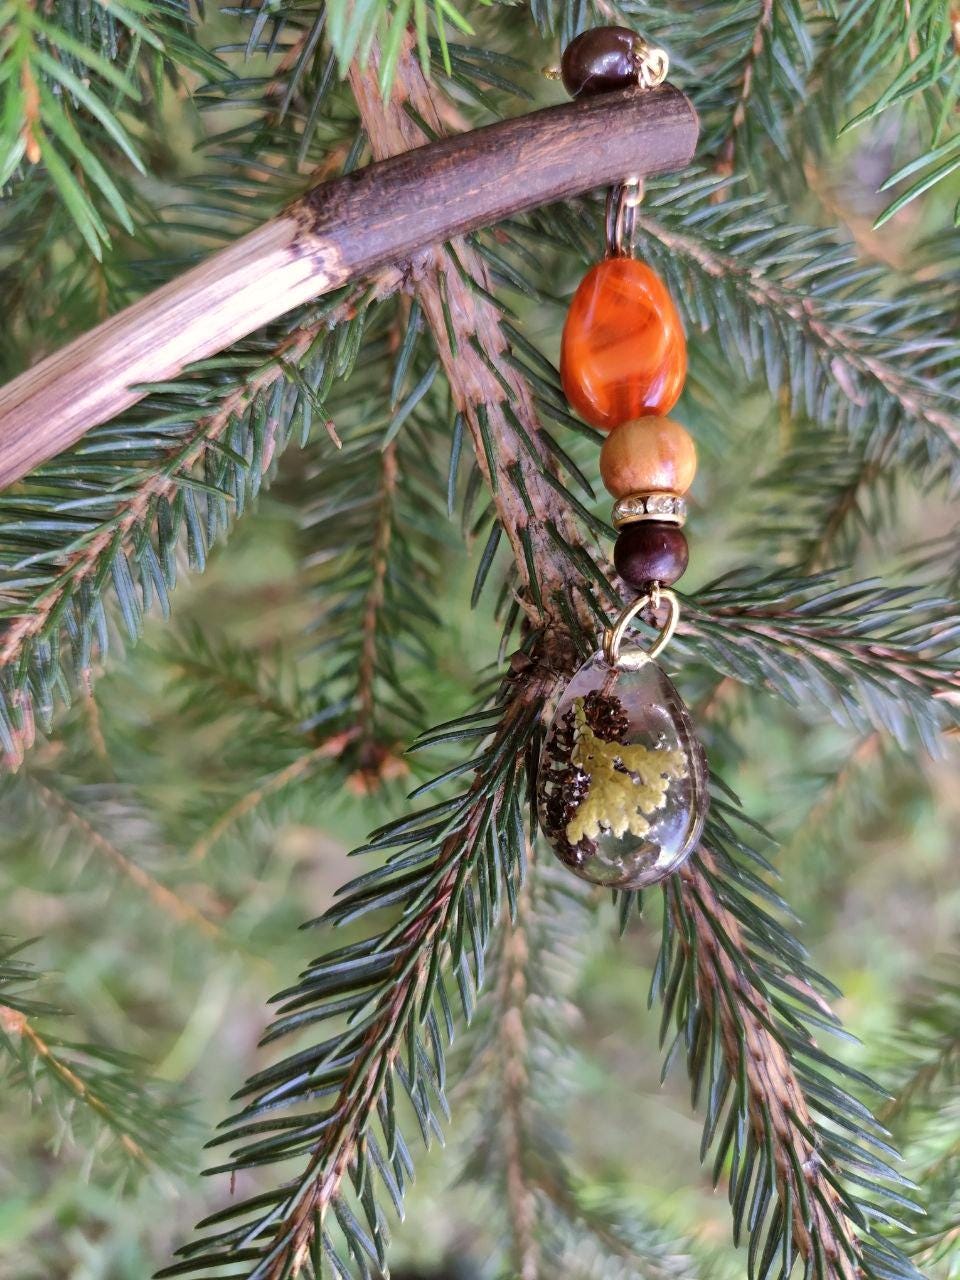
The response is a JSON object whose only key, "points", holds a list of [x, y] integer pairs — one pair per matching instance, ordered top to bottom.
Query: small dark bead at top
{"points": [[601, 60], [649, 551]]}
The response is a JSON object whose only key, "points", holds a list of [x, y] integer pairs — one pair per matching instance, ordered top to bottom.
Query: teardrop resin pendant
{"points": [[622, 788]]}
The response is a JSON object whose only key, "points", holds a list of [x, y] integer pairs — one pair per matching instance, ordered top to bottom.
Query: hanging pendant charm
{"points": [[622, 788]]}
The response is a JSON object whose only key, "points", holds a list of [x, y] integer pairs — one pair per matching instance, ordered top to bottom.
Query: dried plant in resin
{"points": [[622, 790]]}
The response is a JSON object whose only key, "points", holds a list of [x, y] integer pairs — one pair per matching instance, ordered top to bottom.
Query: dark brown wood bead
{"points": [[600, 60], [649, 551]]}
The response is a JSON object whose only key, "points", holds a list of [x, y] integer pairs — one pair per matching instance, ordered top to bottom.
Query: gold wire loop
{"points": [[653, 66], [623, 200], [638, 657]]}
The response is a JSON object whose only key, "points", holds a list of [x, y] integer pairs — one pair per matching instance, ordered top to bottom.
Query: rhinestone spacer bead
{"points": [[667, 507]]}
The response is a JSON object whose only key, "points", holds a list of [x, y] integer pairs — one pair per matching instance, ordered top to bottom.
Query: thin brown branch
{"points": [[739, 116], [473, 350], [845, 503], [376, 593], [91, 710], [863, 754], [377, 762], [248, 803], [161, 897], [743, 1017], [16, 1024], [513, 1064], [920, 1079], [618, 1245]]}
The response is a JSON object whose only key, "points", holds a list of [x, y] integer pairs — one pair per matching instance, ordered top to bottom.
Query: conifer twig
{"points": [[738, 118], [453, 288], [839, 343], [137, 505], [374, 599], [251, 800], [162, 897], [408, 957], [512, 992], [15, 1024], [97, 1082], [775, 1106]]}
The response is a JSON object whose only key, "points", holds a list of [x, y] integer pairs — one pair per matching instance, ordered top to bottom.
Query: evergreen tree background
{"points": [[349, 580]]}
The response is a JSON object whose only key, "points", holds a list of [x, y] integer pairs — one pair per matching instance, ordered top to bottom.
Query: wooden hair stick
{"points": [[339, 231]]}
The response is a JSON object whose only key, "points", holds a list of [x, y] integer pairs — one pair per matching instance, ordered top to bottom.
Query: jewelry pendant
{"points": [[622, 787]]}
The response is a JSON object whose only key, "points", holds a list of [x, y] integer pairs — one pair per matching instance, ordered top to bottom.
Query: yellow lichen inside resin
{"points": [[618, 798]]}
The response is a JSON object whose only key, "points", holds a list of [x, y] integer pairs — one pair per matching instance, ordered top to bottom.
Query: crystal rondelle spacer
{"points": [[670, 508]]}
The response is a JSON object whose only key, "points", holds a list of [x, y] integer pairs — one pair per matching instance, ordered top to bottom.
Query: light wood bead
{"points": [[648, 454]]}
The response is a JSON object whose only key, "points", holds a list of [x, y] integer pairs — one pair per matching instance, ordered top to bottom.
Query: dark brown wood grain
{"points": [[390, 209], [340, 231]]}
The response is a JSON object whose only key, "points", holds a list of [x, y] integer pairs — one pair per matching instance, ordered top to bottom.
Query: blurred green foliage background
{"points": [[164, 874]]}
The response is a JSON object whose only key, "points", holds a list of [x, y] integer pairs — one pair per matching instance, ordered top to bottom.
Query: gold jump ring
{"points": [[637, 656]]}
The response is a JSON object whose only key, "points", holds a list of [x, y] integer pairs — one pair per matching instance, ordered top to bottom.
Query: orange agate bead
{"points": [[623, 352]]}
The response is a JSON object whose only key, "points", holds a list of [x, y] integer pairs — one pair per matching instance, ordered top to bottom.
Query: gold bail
{"points": [[637, 656]]}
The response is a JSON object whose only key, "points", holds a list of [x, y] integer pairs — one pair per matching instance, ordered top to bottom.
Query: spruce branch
{"points": [[761, 34], [908, 52], [70, 82], [453, 288], [856, 342], [827, 494], [121, 515], [375, 530], [374, 599], [878, 657], [277, 730], [296, 771], [453, 864], [160, 896], [927, 1053], [922, 1068], [514, 1072], [522, 1073], [109, 1088], [774, 1103], [809, 1178], [549, 1220]]}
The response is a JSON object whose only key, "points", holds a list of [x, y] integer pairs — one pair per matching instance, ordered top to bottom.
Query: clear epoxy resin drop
{"points": [[622, 790]]}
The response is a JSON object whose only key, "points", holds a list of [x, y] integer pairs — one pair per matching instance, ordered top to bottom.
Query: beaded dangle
{"points": [[622, 789]]}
